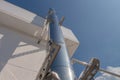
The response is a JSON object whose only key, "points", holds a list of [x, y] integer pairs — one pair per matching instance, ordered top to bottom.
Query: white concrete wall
{"points": [[32, 24], [71, 41], [20, 56]]}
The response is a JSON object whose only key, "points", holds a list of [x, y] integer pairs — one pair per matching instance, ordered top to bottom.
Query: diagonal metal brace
{"points": [[53, 51]]}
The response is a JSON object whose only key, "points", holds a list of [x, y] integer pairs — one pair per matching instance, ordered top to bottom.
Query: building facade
{"points": [[21, 58]]}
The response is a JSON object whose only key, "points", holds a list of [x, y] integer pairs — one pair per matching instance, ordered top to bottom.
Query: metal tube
{"points": [[80, 62], [61, 64], [101, 70], [105, 71]]}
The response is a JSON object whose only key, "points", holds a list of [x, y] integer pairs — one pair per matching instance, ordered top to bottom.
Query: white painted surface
{"points": [[16, 11], [31, 24], [71, 41], [19, 55]]}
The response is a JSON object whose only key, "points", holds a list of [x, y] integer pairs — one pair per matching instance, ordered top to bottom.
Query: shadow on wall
{"points": [[10, 41]]}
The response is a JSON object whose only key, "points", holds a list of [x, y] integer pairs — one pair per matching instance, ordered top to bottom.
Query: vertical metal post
{"points": [[61, 64]]}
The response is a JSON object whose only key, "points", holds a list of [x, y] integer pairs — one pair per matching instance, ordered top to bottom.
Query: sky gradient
{"points": [[96, 23]]}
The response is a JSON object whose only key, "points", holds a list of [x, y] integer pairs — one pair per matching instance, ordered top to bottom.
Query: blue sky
{"points": [[96, 23]]}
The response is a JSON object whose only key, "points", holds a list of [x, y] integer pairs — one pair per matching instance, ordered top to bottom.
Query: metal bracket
{"points": [[53, 51], [90, 70]]}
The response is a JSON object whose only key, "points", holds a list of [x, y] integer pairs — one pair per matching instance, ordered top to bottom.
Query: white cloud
{"points": [[106, 76]]}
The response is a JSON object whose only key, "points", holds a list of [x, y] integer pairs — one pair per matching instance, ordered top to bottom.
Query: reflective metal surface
{"points": [[61, 64]]}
